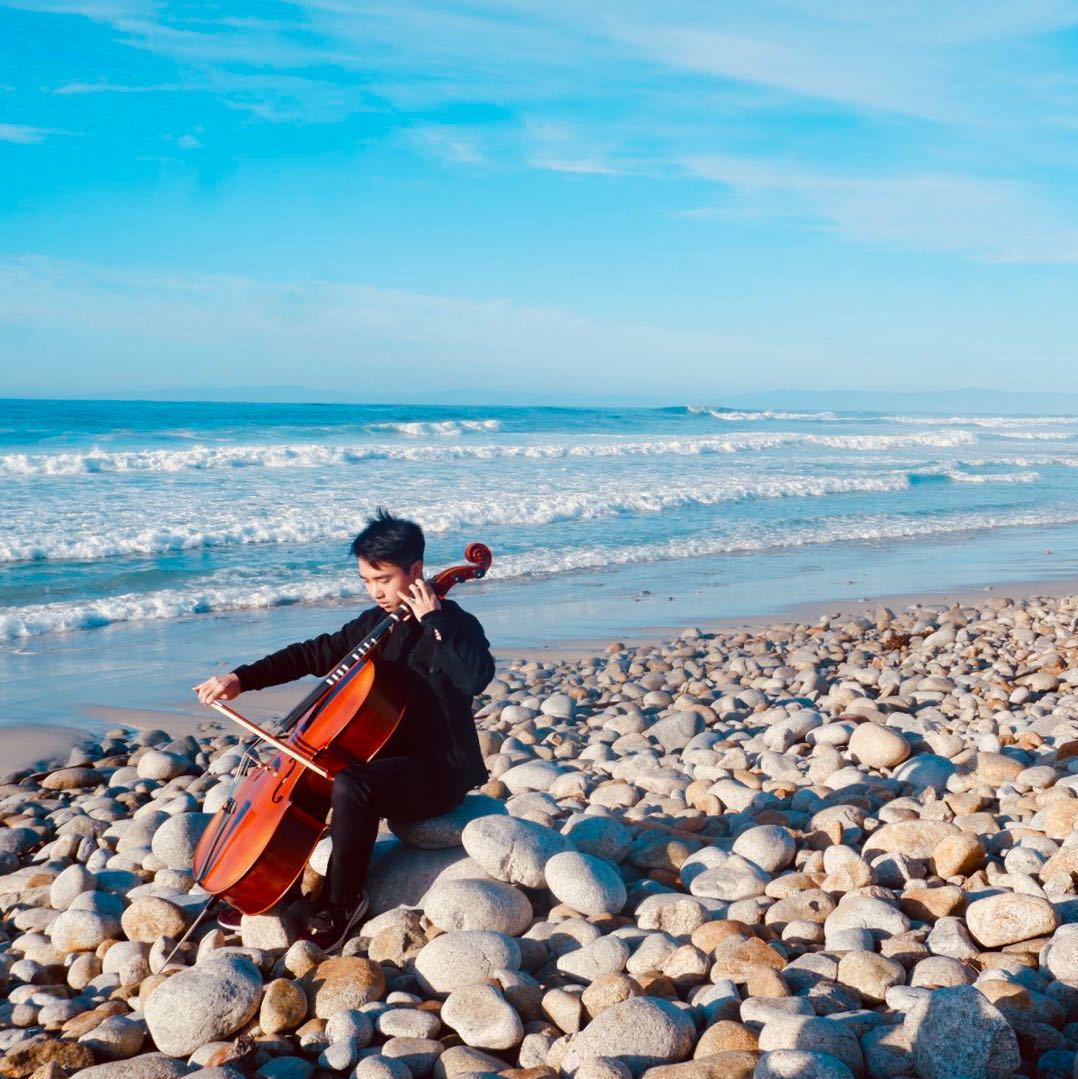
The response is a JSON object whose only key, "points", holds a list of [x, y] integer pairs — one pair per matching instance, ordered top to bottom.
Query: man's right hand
{"points": [[221, 687]]}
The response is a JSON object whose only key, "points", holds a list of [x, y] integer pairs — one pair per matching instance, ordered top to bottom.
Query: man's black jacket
{"points": [[441, 663]]}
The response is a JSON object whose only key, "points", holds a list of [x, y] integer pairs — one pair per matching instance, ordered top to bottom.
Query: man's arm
{"points": [[461, 650], [316, 656]]}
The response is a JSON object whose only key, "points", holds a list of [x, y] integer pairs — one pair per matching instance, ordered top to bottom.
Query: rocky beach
{"points": [[828, 848]]}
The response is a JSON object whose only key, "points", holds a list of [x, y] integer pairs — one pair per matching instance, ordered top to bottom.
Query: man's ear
{"points": [[416, 572]]}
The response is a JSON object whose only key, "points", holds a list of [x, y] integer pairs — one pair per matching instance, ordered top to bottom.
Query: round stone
{"points": [[877, 746], [157, 764], [531, 776], [66, 779], [436, 833], [603, 837], [175, 840], [770, 847], [511, 849], [585, 883], [68, 884], [478, 904], [150, 917], [1009, 918], [82, 931], [464, 957], [128, 959], [343, 982], [202, 1004], [283, 1008], [483, 1018], [350, 1025], [957, 1032], [642, 1033], [816, 1034], [117, 1038], [800, 1064], [381, 1067]]}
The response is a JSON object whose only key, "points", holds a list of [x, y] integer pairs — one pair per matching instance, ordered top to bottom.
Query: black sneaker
{"points": [[335, 923]]}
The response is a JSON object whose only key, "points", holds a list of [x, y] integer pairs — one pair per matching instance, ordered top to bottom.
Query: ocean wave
{"points": [[734, 415], [982, 421], [421, 428], [1037, 436], [307, 455], [1039, 460], [956, 475], [994, 477], [510, 509], [848, 530], [38, 619]]}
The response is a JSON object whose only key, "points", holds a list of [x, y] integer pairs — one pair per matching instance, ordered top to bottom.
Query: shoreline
{"points": [[802, 613], [23, 745]]}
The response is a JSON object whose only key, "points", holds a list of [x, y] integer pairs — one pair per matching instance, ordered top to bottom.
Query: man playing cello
{"points": [[442, 660]]}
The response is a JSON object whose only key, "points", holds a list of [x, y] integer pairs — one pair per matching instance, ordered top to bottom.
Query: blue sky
{"points": [[533, 196]]}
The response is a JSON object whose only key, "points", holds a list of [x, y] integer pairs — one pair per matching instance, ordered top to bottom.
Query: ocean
{"points": [[155, 541]]}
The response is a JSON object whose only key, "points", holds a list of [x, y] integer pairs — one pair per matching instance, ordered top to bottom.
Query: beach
{"points": [[781, 746], [813, 845]]}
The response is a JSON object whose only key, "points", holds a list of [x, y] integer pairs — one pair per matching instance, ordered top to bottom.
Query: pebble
{"points": [[877, 746], [483, 1018]]}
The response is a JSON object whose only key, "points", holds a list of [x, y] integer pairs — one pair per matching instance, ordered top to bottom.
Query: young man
{"points": [[441, 659]]}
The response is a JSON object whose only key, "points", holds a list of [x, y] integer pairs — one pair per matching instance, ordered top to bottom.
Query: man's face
{"points": [[385, 582]]}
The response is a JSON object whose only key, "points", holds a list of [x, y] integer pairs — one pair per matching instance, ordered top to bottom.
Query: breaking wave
{"points": [[309, 455], [34, 620]]}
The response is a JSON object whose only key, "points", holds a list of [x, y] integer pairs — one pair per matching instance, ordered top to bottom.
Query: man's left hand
{"points": [[421, 599]]}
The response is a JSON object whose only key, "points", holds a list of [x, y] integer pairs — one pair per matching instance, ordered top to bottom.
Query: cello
{"points": [[258, 842]]}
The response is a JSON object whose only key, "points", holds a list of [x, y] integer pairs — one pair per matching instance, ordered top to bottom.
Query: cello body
{"points": [[257, 845]]}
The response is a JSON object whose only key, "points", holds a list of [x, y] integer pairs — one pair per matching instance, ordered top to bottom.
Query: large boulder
{"points": [[435, 833], [400, 875], [202, 1004], [955, 1033]]}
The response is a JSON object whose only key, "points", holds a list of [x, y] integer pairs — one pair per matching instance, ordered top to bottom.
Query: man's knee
{"points": [[352, 788]]}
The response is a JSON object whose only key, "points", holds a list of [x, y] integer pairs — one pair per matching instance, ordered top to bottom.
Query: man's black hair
{"points": [[389, 539]]}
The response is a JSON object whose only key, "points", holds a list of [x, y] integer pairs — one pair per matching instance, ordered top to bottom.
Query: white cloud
{"points": [[73, 88], [20, 133], [457, 145], [989, 219], [208, 322]]}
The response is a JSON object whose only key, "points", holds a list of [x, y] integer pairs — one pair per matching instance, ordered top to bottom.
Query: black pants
{"points": [[400, 787]]}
